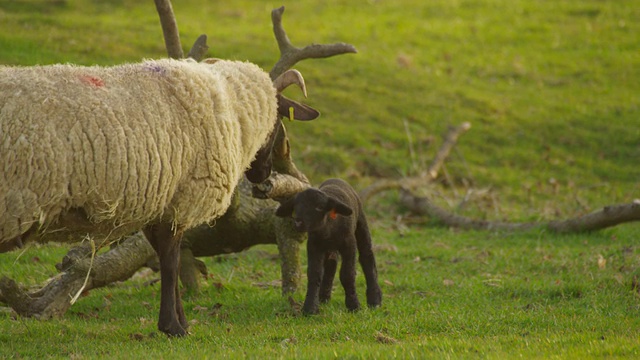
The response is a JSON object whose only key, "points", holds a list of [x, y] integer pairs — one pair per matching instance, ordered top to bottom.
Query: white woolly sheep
{"points": [[158, 145]]}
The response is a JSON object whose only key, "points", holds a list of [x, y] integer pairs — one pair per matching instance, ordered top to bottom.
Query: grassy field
{"points": [[552, 91]]}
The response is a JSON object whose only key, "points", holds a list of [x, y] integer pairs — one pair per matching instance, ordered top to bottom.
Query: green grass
{"points": [[552, 92]]}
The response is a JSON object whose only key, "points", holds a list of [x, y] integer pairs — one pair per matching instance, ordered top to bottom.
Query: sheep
{"points": [[158, 145], [334, 219]]}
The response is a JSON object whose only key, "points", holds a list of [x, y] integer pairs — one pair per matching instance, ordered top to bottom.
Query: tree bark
{"points": [[606, 217], [54, 298]]}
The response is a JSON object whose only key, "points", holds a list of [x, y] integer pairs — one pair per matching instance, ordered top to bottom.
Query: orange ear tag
{"points": [[332, 214]]}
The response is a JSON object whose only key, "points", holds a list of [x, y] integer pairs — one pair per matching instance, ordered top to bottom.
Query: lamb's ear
{"points": [[294, 110], [339, 207], [285, 209]]}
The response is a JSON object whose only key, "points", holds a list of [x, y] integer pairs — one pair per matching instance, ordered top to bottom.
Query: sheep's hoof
{"points": [[310, 311], [173, 330]]}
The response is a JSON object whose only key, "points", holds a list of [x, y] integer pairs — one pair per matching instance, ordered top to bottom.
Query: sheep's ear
{"points": [[294, 110], [339, 207], [285, 209]]}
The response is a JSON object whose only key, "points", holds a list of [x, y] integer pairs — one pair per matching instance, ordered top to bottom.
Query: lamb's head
{"points": [[260, 168], [311, 209]]}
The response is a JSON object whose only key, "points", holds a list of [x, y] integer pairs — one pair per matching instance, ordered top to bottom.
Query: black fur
{"points": [[332, 216]]}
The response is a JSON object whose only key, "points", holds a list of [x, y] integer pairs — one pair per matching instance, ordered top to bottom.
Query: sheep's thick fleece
{"points": [[128, 145]]}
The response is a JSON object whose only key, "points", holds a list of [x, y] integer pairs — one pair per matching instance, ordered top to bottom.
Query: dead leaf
{"points": [[404, 61], [602, 262], [447, 282], [389, 283], [270, 284], [635, 284], [295, 305], [199, 308], [215, 309], [136, 336], [385, 339], [290, 341]]}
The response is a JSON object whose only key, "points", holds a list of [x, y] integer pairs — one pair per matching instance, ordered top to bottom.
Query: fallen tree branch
{"points": [[450, 139], [606, 217], [54, 298]]}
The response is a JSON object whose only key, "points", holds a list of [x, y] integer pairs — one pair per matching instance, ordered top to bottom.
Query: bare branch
{"points": [[169, 29], [199, 48], [290, 55], [450, 139], [449, 142], [423, 206], [606, 217]]}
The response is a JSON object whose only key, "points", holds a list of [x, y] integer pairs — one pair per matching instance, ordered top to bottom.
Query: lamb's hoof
{"points": [[374, 298], [353, 305], [375, 305]]}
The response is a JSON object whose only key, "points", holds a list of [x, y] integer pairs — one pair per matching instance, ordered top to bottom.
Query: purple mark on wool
{"points": [[155, 68]]}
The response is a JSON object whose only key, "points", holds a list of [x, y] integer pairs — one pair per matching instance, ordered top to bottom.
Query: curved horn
{"points": [[290, 77]]}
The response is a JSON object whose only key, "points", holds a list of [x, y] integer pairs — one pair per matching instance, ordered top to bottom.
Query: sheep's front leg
{"points": [[166, 243], [330, 266], [315, 272], [348, 275]]}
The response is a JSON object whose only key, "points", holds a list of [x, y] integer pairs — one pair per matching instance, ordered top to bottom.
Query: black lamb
{"points": [[332, 216]]}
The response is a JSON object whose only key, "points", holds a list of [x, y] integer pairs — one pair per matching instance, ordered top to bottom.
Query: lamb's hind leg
{"points": [[166, 243], [368, 262], [348, 277]]}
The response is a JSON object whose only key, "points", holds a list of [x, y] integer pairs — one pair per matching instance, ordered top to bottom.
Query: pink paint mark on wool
{"points": [[92, 80]]}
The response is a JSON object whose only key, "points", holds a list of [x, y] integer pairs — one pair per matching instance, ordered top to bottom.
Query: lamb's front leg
{"points": [[166, 243], [330, 266], [315, 272], [348, 275]]}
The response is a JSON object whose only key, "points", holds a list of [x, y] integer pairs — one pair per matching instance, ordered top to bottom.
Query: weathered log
{"points": [[450, 139], [606, 217], [54, 298]]}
